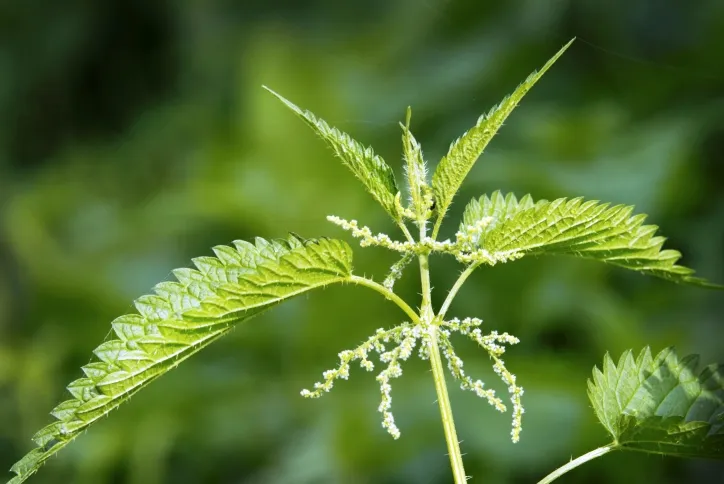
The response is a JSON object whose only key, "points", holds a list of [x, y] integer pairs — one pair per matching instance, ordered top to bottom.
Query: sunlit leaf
{"points": [[464, 152], [368, 167], [415, 171], [507, 229], [183, 317]]}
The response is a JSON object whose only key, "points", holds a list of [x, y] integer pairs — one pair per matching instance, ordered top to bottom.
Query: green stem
{"points": [[436, 227], [405, 231], [363, 281], [456, 287], [426, 312], [438, 372], [448, 424], [577, 462]]}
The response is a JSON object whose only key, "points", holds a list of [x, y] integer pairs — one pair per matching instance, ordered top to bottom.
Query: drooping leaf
{"points": [[464, 152], [368, 167], [509, 229], [183, 317], [660, 405]]}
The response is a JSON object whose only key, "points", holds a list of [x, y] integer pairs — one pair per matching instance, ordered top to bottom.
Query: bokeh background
{"points": [[135, 135]]}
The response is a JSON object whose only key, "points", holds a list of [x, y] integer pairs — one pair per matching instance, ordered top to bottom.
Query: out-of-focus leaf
{"points": [[660, 405]]}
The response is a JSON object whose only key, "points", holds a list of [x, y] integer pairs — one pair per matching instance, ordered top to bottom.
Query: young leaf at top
{"points": [[464, 152], [368, 167], [416, 172], [503, 228], [183, 317], [660, 405]]}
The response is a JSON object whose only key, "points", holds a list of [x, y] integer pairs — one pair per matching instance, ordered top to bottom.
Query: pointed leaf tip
{"points": [[464, 152], [374, 173], [508, 229], [182, 318]]}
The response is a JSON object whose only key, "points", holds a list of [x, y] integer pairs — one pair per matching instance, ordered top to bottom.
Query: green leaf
{"points": [[464, 152], [368, 167], [416, 172], [507, 229], [183, 317], [660, 405]]}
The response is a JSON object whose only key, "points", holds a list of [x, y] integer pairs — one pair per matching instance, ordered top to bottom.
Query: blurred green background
{"points": [[134, 135]]}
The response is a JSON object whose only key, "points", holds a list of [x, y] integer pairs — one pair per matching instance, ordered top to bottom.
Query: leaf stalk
{"points": [[577, 462]]}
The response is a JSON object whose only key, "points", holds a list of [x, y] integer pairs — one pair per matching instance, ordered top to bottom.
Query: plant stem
{"points": [[436, 228], [405, 231], [363, 281], [456, 287], [438, 372], [451, 437], [577, 462]]}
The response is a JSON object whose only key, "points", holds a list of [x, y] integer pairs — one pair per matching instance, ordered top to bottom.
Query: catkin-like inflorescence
{"points": [[368, 239], [424, 246], [464, 248], [396, 271], [405, 337], [493, 343], [455, 365]]}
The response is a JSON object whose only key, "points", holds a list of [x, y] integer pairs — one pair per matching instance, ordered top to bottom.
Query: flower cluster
{"points": [[368, 239], [465, 247], [396, 271], [405, 338], [493, 344]]}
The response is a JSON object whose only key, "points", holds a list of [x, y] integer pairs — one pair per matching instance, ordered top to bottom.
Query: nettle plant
{"points": [[656, 404]]}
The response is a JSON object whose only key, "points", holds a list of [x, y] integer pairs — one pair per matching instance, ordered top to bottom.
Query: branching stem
{"points": [[436, 228], [405, 231], [363, 281], [456, 287], [438, 372], [451, 437], [577, 462]]}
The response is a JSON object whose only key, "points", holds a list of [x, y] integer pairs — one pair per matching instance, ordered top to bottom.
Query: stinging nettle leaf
{"points": [[464, 152], [368, 167], [415, 170], [508, 229], [183, 317], [660, 405]]}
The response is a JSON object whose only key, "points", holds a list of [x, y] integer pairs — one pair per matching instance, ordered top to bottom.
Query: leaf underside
{"points": [[464, 152], [376, 175], [588, 229], [183, 317], [660, 405]]}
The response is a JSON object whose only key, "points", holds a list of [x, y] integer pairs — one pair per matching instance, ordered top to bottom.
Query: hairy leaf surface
{"points": [[464, 152], [368, 167], [415, 169], [509, 229], [183, 317], [660, 405]]}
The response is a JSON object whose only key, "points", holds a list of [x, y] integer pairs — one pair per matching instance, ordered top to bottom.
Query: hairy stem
{"points": [[436, 228], [405, 231], [363, 281], [456, 287], [438, 372], [451, 436], [577, 462]]}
